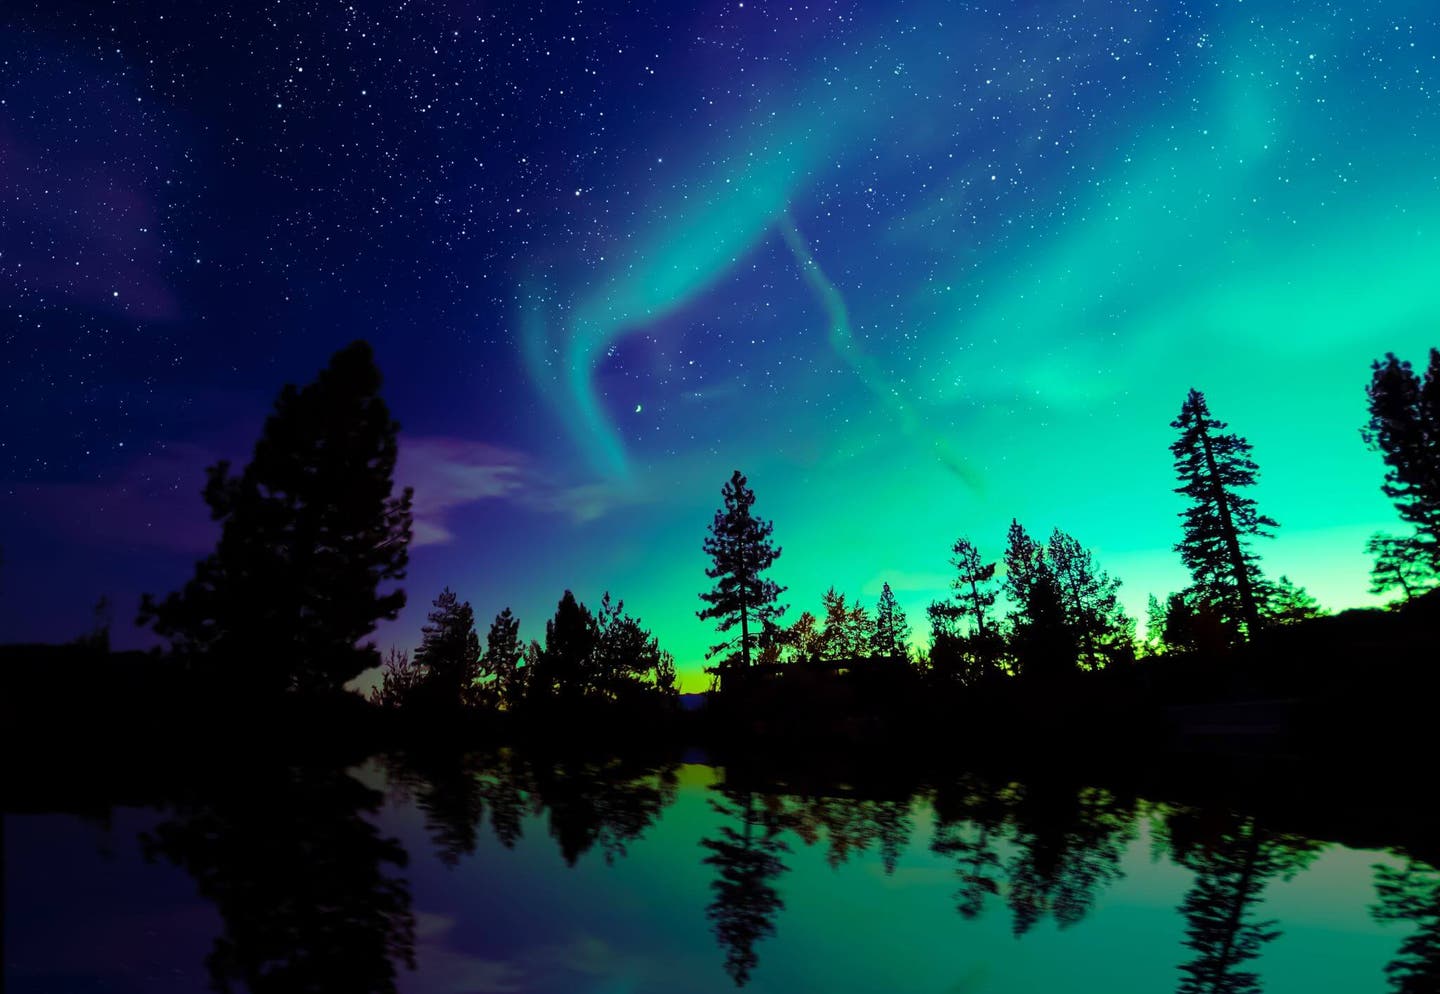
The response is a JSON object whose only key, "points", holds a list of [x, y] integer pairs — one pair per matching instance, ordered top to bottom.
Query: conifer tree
{"points": [[1404, 428], [1214, 468], [310, 531], [740, 550], [1024, 563], [1402, 563], [973, 592], [1284, 603], [1154, 626], [849, 629], [892, 629], [1101, 630], [859, 631], [835, 636], [805, 638], [1042, 640], [964, 642], [449, 650], [625, 653], [501, 663], [560, 671], [399, 680], [667, 680]]}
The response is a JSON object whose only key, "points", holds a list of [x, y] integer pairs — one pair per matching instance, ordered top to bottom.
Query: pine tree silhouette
{"points": [[1404, 428], [1213, 467], [310, 530], [740, 550], [891, 634], [449, 652], [500, 667]]}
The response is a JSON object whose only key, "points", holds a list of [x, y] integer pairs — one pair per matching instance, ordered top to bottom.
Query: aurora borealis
{"points": [[915, 268]]}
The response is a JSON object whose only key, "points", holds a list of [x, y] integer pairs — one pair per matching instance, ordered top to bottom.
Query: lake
{"points": [[502, 873]]}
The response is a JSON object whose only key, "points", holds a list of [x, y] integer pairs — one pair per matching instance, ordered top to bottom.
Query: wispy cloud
{"points": [[448, 473], [451, 473], [155, 501]]}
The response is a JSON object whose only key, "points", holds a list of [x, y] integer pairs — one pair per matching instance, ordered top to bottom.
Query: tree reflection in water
{"points": [[588, 802], [1065, 845], [746, 856], [1234, 858], [301, 879], [1411, 894], [309, 896]]}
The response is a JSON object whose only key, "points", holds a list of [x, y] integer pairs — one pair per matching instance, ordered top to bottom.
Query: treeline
{"points": [[314, 539], [1063, 613], [587, 657]]}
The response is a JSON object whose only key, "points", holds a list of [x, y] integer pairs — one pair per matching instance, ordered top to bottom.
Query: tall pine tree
{"points": [[1404, 428], [1214, 468], [310, 532], [740, 551], [972, 583], [891, 634]]}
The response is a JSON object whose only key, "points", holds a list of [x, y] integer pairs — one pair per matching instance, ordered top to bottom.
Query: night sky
{"points": [[916, 268]]}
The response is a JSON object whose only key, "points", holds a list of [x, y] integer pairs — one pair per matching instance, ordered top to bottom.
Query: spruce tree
{"points": [[1404, 428], [1214, 468], [310, 532], [740, 550], [849, 629], [892, 629], [835, 637], [1042, 639], [449, 651], [501, 663], [561, 670]]}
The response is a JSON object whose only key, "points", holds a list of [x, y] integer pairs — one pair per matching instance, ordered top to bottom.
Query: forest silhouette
{"points": [[1033, 639]]}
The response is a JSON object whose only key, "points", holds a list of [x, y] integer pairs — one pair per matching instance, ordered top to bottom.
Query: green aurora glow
{"points": [[1261, 232]]}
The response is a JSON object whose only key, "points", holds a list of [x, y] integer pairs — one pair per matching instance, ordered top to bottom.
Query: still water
{"points": [[502, 874]]}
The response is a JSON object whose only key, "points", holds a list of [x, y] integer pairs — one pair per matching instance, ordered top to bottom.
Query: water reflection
{"points": [[607, 802], [1065, 847], [746, 857], [1234, 859], [301, 879], [314, 890], [1411, 894]]}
